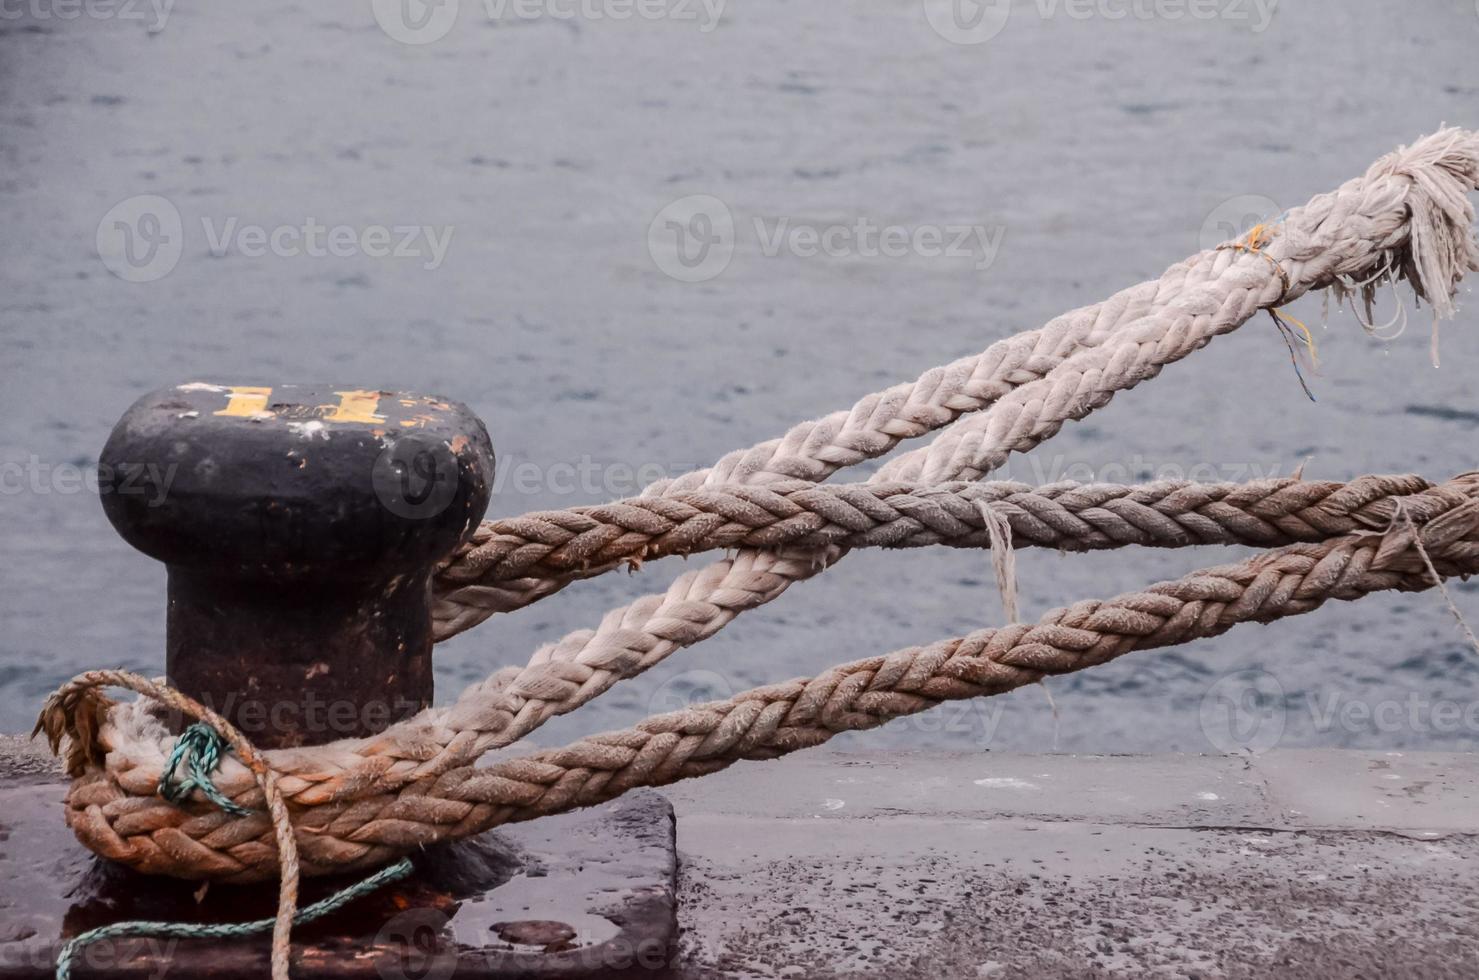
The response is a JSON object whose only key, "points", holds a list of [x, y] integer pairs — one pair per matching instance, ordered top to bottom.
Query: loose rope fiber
{"points": [[356, 804]]}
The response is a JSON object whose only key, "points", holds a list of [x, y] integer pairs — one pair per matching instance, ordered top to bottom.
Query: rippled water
{"points": [[1092, 152]]}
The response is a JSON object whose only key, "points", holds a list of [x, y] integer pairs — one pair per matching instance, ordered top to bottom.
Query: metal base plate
{"points": [[584, 894]]}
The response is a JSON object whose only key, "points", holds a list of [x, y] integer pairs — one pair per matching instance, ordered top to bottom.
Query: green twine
{"points": [[200, 747], [203, 747], [190, 930]]}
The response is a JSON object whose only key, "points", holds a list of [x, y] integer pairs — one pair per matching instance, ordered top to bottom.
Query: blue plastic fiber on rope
{"points": [[201, 748]]}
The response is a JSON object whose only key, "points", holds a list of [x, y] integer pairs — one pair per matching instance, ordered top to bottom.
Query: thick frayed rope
{"points": [[1442, 169], [1408, 218], [1024, 389], [518, 560]]}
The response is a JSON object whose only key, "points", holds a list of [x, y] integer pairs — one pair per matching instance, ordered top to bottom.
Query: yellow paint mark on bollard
{"points": [[244, 402], [355, 406]]}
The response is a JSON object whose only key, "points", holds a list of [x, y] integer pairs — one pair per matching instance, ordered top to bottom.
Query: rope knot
{"points": [[199, 748]]}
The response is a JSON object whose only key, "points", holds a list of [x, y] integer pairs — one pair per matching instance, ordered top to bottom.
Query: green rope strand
{"points": [[200, 748], [203, 748], [189, 930]]}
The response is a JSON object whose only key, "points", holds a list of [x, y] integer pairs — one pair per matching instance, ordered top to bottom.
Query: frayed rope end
{"points": [[1441, 247], [71, 719]]}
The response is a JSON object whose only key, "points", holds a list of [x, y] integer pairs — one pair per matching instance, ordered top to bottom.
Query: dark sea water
{"points": [[1092, 153]]}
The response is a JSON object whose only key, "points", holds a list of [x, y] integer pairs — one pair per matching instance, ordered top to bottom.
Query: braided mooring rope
{"points": [[1411, 201], [1408, 213], [1408, 218], [554, 548], [357, 804], [366, 826]]}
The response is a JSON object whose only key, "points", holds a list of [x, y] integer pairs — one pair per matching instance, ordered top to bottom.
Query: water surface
{"points": [[1095, 151]]}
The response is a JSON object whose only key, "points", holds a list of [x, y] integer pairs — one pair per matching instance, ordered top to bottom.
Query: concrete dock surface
{"points": [[1307, 864]]}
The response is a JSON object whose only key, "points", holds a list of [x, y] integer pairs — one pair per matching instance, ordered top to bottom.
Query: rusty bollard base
{"points": [[300, 525], [584, 894]]}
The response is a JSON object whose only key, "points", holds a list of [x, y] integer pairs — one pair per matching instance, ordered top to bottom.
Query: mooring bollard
{"points": [[300, 525]]}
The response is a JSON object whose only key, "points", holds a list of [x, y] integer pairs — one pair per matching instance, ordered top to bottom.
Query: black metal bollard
{"points": [[300, 525]]}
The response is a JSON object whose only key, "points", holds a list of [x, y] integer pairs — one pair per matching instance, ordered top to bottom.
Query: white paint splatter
{"points": [[200, 386], [309, 430], [1005, 782], [1204, 795], [834, 804]]}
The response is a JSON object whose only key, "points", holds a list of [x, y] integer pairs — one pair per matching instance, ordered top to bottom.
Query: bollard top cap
{"points": [[293, 481]]}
